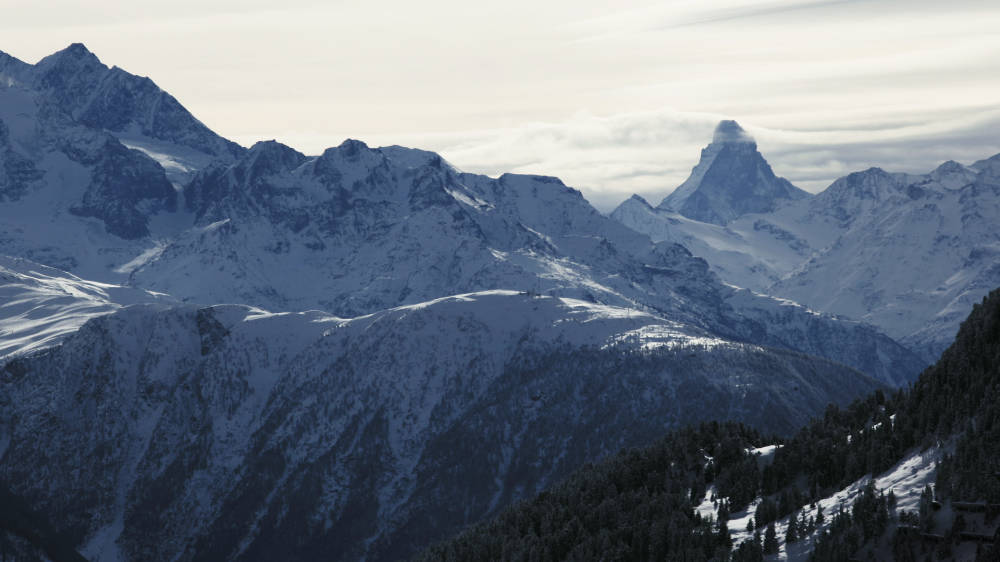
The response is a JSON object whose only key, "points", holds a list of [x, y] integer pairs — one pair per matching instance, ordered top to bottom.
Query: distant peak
{"points": [[77, 48], [76, 51], [75, 56], [729, 131], [269, 145], [352, 145], [276, 151], [350, 151], [949, 167], [873, 171], [531, 178], [731, 179], [639, 199]]}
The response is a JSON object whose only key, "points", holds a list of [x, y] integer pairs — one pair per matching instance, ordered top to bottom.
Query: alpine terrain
{"points": [[909, 254], [214, 352], [914, 475]]}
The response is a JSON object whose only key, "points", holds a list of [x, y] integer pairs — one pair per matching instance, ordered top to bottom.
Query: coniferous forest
{"points": [[640, 504]]}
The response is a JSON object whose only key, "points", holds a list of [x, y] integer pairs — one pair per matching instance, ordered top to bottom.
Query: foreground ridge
{"points": [[764, 495]]}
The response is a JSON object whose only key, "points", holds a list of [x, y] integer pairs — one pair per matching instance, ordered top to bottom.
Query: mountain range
{"points": [[907, 253], [258, 354]]}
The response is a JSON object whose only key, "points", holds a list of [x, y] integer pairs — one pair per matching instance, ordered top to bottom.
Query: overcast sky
{"points": [[614, 100]]}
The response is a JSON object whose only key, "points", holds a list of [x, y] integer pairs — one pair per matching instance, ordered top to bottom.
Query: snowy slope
{"points": [[358, 230], [914, 255], [754, 257], [39, 305], [208, 433], [906, 479]]}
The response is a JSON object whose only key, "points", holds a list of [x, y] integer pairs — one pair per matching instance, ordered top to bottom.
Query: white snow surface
{"points": [[40, 305]]}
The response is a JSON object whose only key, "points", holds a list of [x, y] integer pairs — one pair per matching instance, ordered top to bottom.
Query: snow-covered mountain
{"points": [[131, 107], [732, 179], [74, 197], [358, 230], [350, 232], [751, 252], [907, 253], [914, 253], [467, 339], [223, 432]]}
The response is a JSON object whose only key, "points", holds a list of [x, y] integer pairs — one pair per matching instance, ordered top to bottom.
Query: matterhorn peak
{"points": [[729, 131], [731, 179]]}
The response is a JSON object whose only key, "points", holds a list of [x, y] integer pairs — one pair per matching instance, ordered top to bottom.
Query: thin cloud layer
{"points": [[610, 158]]}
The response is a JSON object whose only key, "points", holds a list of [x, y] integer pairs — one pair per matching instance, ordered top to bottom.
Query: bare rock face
{"points": [[80, 85]]}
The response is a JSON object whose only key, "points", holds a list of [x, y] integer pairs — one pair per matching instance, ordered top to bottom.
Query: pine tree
{"points": [[926, 497], [792, 534], [770, 539]]}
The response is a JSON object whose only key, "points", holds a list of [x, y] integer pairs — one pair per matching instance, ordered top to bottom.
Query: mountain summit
{"points": [[730, 131], [731, 180]]}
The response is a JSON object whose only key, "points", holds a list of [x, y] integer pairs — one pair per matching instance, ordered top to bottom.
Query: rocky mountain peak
{"points": [[77, 53], [69, 75], [81, 87], [350, 148], [272, 157], [731, 179], [873, 183], [857, 194], [636, 198]]}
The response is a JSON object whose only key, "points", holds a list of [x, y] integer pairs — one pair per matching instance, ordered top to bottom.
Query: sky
{"points": [[614, 98]]}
